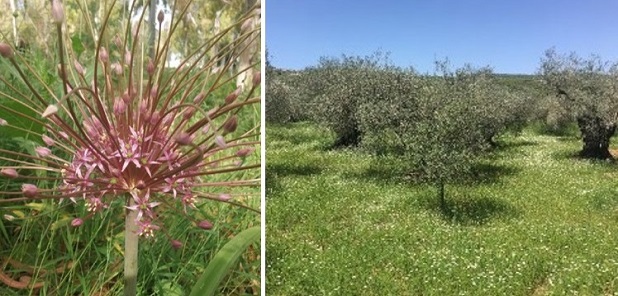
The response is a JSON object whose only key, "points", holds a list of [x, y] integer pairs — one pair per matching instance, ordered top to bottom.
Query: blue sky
{"points": [[510, 36]]}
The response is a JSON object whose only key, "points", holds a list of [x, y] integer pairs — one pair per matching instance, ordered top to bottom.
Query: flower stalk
{"points": [[131, 242]]}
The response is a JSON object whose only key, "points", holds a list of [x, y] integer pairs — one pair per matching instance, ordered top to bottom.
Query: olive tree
{"points": [[336, 89], [588, 90], [438, 125]]}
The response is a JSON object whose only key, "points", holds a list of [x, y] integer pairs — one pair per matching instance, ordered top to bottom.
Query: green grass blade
{"points": [[223, 261]]}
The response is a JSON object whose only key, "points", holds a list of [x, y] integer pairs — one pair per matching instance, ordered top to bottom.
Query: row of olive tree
{"points": [[437, 124]]}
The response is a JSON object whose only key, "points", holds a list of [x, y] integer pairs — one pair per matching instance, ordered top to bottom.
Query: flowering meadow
{"points": [[533, 219]]}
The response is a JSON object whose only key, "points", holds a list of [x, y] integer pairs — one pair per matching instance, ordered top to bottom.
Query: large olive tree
{"points": [[588, 90], [438, 125]]}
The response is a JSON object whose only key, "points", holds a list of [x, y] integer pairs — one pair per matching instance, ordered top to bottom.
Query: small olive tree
{"points": [[588, 90]]}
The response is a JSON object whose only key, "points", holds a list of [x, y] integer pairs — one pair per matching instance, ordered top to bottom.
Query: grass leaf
{"points": [[223, 261]]}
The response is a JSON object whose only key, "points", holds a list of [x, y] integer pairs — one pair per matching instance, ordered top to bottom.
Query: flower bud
{"points": [[57, 11], [160, 16], [118, 41], [6, 51], [103, 55], [128, 57], [79, 68], [117, 68], [150, 68], [257, 78], [154, 91], [232, 96], [126, 97], [199, 98], [119, 106], [143, 106], [49, 111], [212, 112], [188, 113], [155, 117], [3, 122], [230, 125], [206, 128], [183, 139], [47, 140], [220, 141], [42, 151], [244, 152], [9, 173], [29, 190], [225, 197], [8, 217], [77, 222], [205, 224], [176, 244]]}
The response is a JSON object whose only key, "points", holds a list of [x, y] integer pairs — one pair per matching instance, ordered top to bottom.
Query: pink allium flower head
{"points": [[164, 141]]}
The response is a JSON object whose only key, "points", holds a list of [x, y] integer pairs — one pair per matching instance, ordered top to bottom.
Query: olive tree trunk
{"points": [[596, 135]]}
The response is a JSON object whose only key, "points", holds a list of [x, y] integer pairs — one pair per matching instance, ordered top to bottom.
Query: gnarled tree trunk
{"points": [[596, 135]]}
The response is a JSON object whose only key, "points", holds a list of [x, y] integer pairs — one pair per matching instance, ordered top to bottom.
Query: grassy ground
{"points": [[533, 221]]}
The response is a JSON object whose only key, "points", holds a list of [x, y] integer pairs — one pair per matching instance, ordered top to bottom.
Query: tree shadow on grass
{"points": [[511, 145], [575, 155], [288, 168], [280, 170], [384, 171], [392, 171], [488, 173], [272, 183], [473, 211]]}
